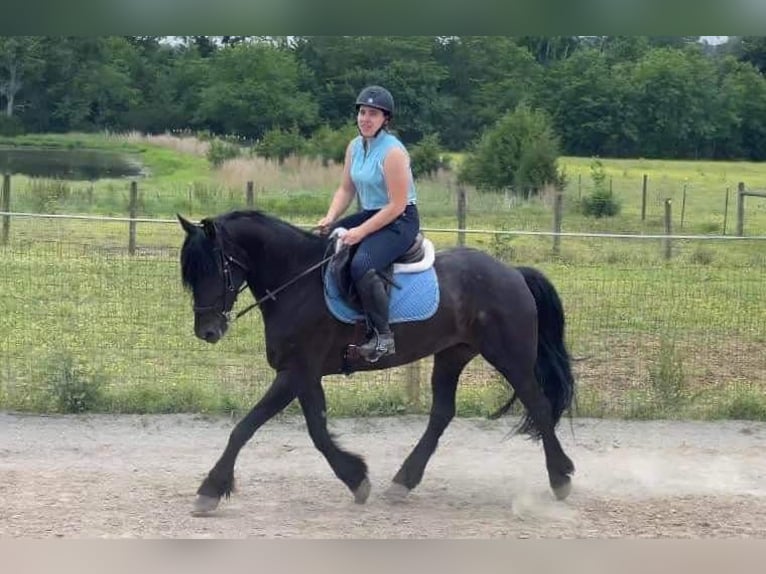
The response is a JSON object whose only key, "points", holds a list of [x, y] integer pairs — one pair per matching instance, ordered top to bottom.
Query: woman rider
{"points": [[377, 171]]}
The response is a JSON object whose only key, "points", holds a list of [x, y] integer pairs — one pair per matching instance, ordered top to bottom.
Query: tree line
{"points": [[609, 96]]}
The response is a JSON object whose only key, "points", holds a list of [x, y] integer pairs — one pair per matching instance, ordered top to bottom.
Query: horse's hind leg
{"points": [[514, 358], [448, 365], [350, 468], [220, 480]]}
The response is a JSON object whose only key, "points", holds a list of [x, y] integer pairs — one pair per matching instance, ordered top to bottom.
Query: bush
{"points": [[10, 126], [280, 144], [329, 144], [219, 151], [519, 153], [426, 157], [48, 194], [600, 202], [702, 256], [74, 389]]}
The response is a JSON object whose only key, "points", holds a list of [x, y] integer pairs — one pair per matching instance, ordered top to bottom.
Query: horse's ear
{"points": [[208, 225], [188, 226]]}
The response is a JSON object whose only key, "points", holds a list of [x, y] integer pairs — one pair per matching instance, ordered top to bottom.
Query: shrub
{"points": [[10, 126], [280, 144], [329, 145], [219, 151], [519, 153], [426, 157], [48, 194], [600, 202], [701, 256], [73, 388]]}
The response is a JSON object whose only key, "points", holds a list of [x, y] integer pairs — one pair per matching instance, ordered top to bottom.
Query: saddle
{"points": [[418, 257]]}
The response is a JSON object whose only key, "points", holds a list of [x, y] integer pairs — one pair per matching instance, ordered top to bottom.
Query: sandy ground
{"points": [[136, 477]]}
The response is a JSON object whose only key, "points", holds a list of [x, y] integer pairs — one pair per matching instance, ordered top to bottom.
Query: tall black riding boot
{"points": [[374, 298]]}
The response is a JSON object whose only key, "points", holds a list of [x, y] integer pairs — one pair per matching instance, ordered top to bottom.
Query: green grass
{"points": [[126, 325], [86, 327]]}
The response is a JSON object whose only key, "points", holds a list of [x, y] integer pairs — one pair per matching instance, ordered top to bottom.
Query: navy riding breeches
{"points": [[381, 248]]}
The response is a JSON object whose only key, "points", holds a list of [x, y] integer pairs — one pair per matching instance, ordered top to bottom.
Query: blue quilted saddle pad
{"points": [[415, 297]]}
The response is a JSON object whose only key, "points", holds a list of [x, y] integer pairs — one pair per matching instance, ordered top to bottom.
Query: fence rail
{"points": [[461, 209]]}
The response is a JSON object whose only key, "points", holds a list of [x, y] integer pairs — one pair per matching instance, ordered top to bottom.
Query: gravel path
{"points": [[136, 476]]}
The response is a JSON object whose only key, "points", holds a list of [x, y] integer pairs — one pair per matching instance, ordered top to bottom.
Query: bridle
{"points": [[231, 291]]}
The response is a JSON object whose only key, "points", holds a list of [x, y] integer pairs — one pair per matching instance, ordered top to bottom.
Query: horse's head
{"points": [[212, 275]]}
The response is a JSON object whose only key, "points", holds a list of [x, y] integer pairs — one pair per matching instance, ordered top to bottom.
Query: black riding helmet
{"points": [[376, 97]]}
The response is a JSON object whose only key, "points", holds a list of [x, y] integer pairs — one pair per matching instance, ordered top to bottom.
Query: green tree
{"points": [[547, 49], [751, 49], [19, 58], [339, 67], [488, 76], [253, 88], [675, 102], [589, 108], [520, 153]]}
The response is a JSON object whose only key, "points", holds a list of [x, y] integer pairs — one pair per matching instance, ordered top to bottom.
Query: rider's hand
{"points": [[323, 225], [353, 236]]}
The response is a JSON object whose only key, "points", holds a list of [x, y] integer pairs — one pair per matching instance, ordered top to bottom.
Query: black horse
{"points": [[513, 317]]}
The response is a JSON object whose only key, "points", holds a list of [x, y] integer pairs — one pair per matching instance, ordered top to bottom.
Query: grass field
{"points": [[85, 326]]}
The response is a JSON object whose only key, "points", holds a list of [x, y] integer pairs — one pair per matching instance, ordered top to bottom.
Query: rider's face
{"points": [[369, 120]]}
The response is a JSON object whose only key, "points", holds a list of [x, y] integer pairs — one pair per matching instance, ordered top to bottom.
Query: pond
{"points": [[88, 165]]}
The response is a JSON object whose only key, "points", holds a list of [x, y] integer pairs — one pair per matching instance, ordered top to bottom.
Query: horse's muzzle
{"points": [[211, 332]]}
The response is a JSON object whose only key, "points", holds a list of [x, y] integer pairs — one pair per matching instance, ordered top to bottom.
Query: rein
{"points": [[226, 259], [272, 294]]}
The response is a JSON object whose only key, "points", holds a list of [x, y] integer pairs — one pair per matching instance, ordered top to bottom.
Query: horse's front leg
{"points": [[448, 365], [350, 468], [220, 480]]}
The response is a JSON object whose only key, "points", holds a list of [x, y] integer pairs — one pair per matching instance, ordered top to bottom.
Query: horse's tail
{"points": [[553, 366]]}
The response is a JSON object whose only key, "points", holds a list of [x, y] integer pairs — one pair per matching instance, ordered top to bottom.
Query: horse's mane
{"points": [[259, 217]]}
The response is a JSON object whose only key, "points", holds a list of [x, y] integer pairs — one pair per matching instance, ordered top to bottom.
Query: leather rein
{"points": [[230, 290]]}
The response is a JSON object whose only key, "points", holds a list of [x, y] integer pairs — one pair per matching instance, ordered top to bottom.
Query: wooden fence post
{"points": [[249, 195], [643, 200], [6, 206], [740, 208], [133, 210], [558, 214], [461, 215], [668, 229], [413, 386]]}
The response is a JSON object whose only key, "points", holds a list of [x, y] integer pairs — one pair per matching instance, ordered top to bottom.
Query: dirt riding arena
{"points": [[136, 476]]}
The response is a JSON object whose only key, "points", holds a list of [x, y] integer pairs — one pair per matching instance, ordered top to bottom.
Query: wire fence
{"points": [[86, 325]]}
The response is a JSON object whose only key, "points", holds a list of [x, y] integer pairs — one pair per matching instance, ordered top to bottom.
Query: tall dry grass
{"points": [[181, 143], [294, 174]]}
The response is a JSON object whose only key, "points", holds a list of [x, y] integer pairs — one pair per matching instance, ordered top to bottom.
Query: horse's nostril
{"points": [[209, 335]]}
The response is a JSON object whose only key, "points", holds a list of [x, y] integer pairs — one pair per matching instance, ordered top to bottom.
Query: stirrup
{"points": [[377, 347]]}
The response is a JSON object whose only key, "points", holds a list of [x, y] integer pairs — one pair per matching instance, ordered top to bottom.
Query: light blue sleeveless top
{"points": [[367, 171]]}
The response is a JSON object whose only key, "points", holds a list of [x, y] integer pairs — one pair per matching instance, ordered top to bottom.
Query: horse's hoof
{"points": [[563, 490], [362, 492], [396, 493], [204, 505]]}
